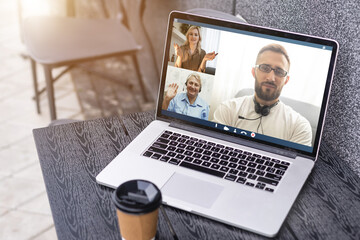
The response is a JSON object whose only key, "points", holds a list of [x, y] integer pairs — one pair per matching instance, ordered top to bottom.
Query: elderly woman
{"points": [[190, 55], [188, 103]]}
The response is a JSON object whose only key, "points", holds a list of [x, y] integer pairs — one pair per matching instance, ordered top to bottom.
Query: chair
{"points": [[64, 41], [307, 110]]}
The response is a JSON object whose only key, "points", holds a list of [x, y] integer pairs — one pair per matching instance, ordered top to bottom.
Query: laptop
{"points": [[219, 156]]}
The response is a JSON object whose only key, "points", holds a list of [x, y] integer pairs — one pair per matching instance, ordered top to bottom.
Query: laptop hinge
{"points": [[224, 137]]}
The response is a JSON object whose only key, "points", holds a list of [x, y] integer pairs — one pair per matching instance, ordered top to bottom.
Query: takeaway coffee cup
{"points": [[137, 203]]}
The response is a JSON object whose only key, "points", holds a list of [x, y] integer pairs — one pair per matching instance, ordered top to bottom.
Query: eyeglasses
{"points": [[267, 69]]}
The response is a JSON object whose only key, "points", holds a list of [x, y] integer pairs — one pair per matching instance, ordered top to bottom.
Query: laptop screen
{"points": [[254, 83]]}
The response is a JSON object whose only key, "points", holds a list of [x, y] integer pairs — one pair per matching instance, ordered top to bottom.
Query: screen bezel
{"points": [[254, 29]]}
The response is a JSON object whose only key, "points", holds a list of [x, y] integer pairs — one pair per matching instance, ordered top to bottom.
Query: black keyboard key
{"points": [[168, 132], [177, 134], [164, 135], [184, 136], [174, 138], [193, 139], [163, 140], [181, 140], [202, 141], [173, 143], [198, 144], [211, 144], [181, 145], [220, 146], [207, 147], [171, 148], [190, 148], [229, 148], [215, 149], [158, 150], [179, 150], [199, 150], [238, 150], [224, 151], [207, 152], [188, 153], [247, 153], [147, 154], [171, 154], [233, 154], [197, 155], [216, 155], [256, 155], [156, 156], [180, 156], [242, 156], [224, 157], [164, 158], [206, 158], [250, 158], [265, 158], [188, 159], [214, 160], [233, 160], [275, 160], [174, 161], [197, 161], [260, 161], [223, 162], [243, 162], [268, 163], [285, 163], [206, 164], [232, 165], [252, 165], [215, 166], [261, 167], [281, 167], [241, 168], [202, 169], [224, 169], [270, 169], [250, 170], [234, 171], [280, 172], [260, 173], [242, 174], [252, 176], [273, 176], [230, 177], [241, 180], [268, 181], [249, 184], [260, 185], [269, 189]]}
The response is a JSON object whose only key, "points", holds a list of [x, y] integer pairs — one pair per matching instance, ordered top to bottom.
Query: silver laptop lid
{"points": [[254, 84]]}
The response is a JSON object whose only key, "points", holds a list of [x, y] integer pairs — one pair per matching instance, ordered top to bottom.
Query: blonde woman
{"points": [[190, 55]]}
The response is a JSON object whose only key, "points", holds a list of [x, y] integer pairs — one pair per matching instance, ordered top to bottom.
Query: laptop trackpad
{"points": [[192, 190]]}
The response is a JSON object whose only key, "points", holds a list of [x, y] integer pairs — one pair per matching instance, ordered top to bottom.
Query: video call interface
{"points": [[249, 84]]}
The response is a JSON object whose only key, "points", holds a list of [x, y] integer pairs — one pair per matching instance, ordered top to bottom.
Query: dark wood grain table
{"points": [[71, 155]]}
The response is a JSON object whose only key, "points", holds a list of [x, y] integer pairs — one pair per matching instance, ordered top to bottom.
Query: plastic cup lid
{"points": [[137, 197]]}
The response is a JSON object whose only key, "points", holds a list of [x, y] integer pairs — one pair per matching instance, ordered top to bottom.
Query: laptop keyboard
{"points": [[230, 163]]}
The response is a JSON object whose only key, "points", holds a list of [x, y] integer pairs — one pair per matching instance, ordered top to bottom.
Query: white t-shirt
{"points": [[282, 122]]}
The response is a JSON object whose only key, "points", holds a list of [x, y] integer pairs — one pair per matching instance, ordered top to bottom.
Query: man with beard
{"points": [[264, 113]]}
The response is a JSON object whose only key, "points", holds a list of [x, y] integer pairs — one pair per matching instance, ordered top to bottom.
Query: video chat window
{"points": [[232, 74]]}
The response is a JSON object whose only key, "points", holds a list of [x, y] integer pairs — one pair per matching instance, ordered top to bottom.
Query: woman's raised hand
{"points": [[177, 49], [210, 56], [171, 91]]}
